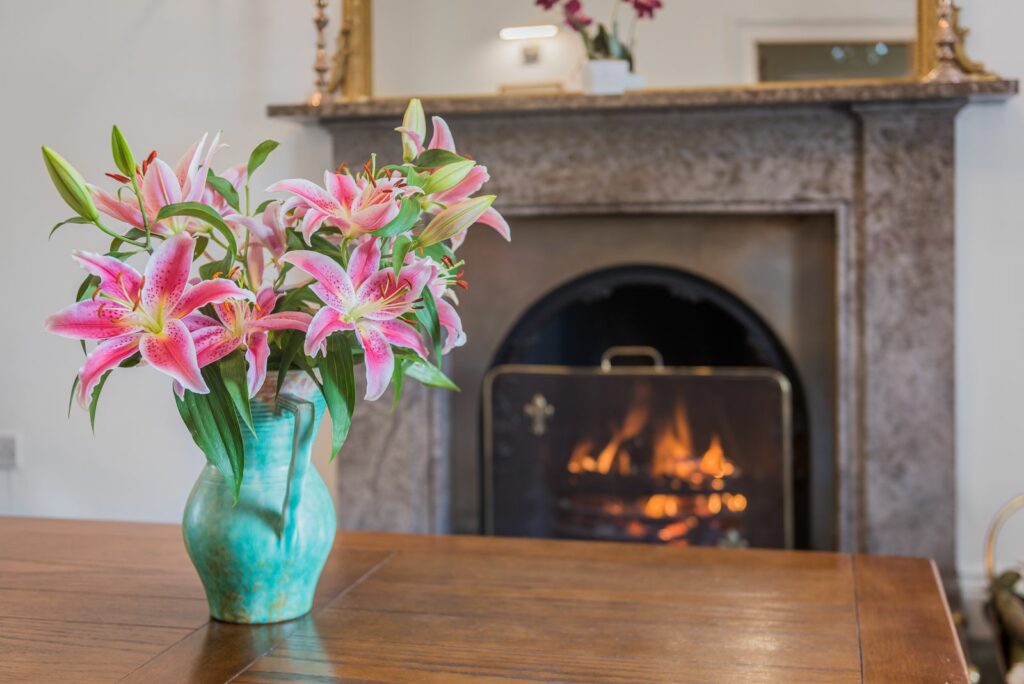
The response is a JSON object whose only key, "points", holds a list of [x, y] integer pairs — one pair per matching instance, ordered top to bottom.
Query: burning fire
{"points": [[698, 480]]}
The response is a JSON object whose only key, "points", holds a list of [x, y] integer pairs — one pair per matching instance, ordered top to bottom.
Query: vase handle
{"points": [[302, 446]]}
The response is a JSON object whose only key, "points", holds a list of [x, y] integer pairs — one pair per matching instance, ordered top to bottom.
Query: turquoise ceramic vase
{"points": [[260, 559]]}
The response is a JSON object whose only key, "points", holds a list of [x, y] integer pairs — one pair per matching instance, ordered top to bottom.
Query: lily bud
{"points": [[414, 121], [123, 158], [448, 176], [70, 185], [455, 219]]}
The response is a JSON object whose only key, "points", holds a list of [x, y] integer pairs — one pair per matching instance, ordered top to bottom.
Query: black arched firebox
{"points": [[645, 472]]}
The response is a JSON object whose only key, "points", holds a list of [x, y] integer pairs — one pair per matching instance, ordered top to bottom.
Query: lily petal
{"points": [[442, 138], [160, 186], [468, 186], [342, 187], [312, 193], [126, 211], [376, 215], [492, 218], [365, 260], [167, 272], [117, 278], [332, 278], [209, 292], [92, 319], [286, 320], [198, 321], [325, 322], [452, 324], [401, 334], [213, 344], [174, 353], [257, 355], [105, 356], [380, 360]]}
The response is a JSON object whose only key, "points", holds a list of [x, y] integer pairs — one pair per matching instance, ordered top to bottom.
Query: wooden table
{"points": [[86, 601]]}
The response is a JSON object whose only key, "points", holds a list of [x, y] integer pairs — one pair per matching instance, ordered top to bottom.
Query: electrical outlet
{"points": [[8, 452]]}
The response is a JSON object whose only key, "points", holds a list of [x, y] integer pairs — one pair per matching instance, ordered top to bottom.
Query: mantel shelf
{"points": [[641, 100]]}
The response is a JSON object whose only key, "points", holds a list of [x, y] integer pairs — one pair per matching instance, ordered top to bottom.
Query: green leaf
{"points": [[260, 154], [123, 158], [431, 159], [223, 188], [263, 206], [206, 214], [74, 219], [406, 219], [201, 244], [403, 244], [438, 251], [87, 287], [427, 315], [292, 345], [232, 370], [428, 374], [398, 380], [339, 388], [71, 398], [95, 399], [213, 423]]}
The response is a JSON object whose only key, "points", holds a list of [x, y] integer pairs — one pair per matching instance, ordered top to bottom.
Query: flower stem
{"points": [[142, 210], [122, 238]]}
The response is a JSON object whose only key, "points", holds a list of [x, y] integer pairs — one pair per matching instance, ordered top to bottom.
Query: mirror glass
{"points": [[458, 49]]}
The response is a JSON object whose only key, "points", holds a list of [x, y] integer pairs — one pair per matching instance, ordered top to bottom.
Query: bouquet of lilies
{"points": [[604, 43], [318, 280]]}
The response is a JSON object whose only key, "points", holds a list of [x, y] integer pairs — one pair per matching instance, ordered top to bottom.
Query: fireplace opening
{"points": [[645, 403]]}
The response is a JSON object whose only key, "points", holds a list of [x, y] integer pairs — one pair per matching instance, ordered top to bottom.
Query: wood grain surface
{"points": [[101, 602]]}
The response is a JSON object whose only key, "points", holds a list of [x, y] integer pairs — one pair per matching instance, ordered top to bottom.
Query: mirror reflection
{"points": [[519, 46]]}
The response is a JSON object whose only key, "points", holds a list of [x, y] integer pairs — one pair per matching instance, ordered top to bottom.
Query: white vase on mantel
{"points": [[605, 76]]}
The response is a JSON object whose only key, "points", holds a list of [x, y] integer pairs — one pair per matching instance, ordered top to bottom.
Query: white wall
{"points": [[165, 71], [990, 310]]}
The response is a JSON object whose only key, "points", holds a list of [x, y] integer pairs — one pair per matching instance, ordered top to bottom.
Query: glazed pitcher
{"points": [[260, 559]]}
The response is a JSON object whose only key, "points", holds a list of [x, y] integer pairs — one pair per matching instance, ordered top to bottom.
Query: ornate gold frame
{"points": [[940, 55]]}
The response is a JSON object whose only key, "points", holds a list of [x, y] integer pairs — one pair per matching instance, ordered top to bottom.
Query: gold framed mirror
{"points": [[861, 33]]}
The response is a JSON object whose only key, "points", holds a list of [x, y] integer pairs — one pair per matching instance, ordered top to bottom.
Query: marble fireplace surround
{"points": [[882, 167]]}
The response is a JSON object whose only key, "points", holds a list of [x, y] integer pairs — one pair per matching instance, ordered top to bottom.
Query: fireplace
{"points": [[704, 444]]}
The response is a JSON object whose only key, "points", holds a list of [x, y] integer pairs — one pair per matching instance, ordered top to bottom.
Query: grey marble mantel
{"points": [[880, 162]]}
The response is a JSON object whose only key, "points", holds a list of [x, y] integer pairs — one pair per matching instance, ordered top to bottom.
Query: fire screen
{"points": [[685, 456]]}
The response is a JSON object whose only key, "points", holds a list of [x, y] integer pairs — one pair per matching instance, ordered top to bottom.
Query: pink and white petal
{"points": [[414, 137], [442, 138], [189, 160], [195, 182], [160, 186], [341, 186], [468, 186], [312, 193], [125, 211], [376, 216], [492, 218], [311, 222], [458, 239], [365, 260], [255, 262], [167, 272], [331, 276], [117, 278], [209, 292], [399, 294], [266, 300], [92, 320], [286, 320], [198, 321], [325, 322], [401, 334], [454, 336], [213, 344], [173, 352], [257, 354], [105, 356], [379, 359]]}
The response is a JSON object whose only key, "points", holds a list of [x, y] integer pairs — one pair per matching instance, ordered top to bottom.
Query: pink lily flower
{"points": [[442, 139], [161, 185], [356, 206], [267, 233], [440, 288], [369, 300], [132, 312], [243, 323]]}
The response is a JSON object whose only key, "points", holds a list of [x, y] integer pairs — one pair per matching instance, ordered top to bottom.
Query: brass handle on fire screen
{"points": [[616, 352]]}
